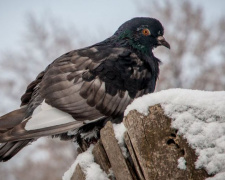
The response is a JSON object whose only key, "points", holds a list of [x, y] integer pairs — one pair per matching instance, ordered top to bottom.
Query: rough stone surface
{"points": [[158, 147], [113, 151], [100, 157], [133, 157], [78, 174]]}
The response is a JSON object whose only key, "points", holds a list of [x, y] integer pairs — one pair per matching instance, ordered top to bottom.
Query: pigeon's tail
{"points": [[10, 120], [16, 131], [10, 149]]}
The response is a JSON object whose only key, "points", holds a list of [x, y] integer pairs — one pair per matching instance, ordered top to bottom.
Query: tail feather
{"points": [[11, 119], [8, 122], [19, 133], [14, 136], [10, 149]]}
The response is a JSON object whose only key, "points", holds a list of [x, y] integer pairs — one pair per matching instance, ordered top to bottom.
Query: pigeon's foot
{"points": [[84, 140]]}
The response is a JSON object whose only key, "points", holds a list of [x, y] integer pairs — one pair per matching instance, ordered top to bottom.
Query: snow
{"points": [[202, 99], [199, 117], [119, 130], [182, 163], [90, 168], [219, 176]]}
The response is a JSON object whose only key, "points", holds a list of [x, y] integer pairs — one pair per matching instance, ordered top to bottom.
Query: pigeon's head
{"points": [[142, 34]]}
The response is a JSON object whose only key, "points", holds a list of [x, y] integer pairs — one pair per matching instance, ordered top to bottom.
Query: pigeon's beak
{"points": [[162, 42]]}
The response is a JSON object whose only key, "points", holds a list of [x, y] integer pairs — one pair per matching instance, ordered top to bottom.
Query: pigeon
{"points": [[83, 89]]}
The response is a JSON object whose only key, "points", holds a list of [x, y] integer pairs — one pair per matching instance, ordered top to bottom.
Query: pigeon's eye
{"points": [[146, 32]]}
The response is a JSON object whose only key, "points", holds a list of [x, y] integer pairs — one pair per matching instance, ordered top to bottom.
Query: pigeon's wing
{"points": [[87, 84], [78, 85]]}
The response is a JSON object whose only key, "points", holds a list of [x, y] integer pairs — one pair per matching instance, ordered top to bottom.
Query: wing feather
{"points": [[88, 78]]}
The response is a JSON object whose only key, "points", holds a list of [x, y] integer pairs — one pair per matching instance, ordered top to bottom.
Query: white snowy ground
{"points": [[199, 117]]}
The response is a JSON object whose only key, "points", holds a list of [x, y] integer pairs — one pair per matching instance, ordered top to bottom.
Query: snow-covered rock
{"points": [[199, 117], [89, 167]]}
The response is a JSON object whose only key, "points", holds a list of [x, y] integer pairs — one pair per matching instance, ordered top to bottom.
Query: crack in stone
{"points": [[136, 157]]}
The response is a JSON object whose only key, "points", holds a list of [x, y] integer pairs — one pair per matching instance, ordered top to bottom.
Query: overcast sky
{"points": [[91, 14]]}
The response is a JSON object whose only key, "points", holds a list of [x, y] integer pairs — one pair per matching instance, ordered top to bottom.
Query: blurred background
{"points": [[34, 33]]}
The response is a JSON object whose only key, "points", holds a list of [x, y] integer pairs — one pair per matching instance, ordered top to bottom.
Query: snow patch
{"points": [[211, 101], [199, 117], [119, 130], [182, 163], [89, 167], [219, 176]]}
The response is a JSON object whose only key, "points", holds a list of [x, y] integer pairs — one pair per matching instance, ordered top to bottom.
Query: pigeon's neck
{"points": [[127, 39]]}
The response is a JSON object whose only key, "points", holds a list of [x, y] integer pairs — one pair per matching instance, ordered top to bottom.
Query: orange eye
{"points": [[146, 32]]}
